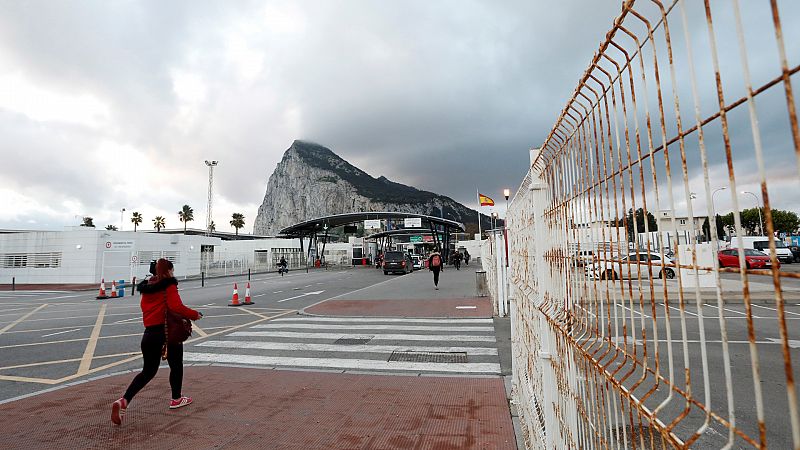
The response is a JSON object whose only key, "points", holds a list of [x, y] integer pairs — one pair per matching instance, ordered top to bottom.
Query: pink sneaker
{"points": [[183, 401], [118, 409]]}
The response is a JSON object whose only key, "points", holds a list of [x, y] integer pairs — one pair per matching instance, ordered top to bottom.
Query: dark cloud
{"points": [[447, 96]]}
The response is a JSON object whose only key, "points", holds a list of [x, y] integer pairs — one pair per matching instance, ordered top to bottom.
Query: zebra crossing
{"points": [[375, 345]]}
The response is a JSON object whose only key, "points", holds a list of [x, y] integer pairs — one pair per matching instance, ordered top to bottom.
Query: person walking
{"points": [[466, 257], [457, 260], [435, 266], [158, 293]]}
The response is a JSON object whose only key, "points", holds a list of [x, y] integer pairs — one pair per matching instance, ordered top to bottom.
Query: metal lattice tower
{"points": [[210, 165]]}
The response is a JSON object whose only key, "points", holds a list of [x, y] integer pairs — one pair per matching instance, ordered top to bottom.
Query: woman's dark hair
{"points": [[163, 266]]}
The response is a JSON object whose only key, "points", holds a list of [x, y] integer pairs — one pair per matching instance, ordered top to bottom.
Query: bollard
{"points": [[248, 274], [202, 279], [13, 283], [480, 283], [133, 286]]}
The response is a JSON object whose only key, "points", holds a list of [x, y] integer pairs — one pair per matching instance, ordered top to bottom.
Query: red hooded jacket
{"points": [[157, 296]]}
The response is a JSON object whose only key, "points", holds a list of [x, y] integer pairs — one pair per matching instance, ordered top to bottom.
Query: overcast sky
{"points": [[116, 104]]}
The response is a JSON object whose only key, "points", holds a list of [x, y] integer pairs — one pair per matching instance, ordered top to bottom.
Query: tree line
{"points": [[185, 215], [753, 222]]}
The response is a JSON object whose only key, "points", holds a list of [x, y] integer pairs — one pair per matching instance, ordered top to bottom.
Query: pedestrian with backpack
{"points": [[435, 266]]}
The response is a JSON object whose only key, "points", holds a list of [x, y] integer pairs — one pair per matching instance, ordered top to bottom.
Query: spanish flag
{"points": [[484, 200]]}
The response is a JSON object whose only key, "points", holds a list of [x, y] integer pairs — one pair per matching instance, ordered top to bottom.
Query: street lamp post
{"points": [[211, 165], [758, 208], [714, 214], [121, 218]]}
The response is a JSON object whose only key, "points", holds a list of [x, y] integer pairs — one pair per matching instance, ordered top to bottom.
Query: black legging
{"points": [[435, 271], [152, 340]]}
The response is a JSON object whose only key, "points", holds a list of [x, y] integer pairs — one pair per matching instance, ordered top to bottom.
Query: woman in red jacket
{"points": [[158, 294]]}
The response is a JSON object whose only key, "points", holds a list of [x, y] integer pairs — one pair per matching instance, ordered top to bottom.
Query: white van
{"points": [[761, 243]]}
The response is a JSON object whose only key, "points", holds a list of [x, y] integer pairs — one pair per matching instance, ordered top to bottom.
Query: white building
{"points": [[85, 255]]}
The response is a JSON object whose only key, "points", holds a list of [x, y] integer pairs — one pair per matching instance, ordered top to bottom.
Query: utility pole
{"points": [[210, 165]]}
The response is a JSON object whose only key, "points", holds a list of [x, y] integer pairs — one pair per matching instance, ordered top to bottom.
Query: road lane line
{"points": [[301, 295], [775, 310], [381, 319], [12, 324], [317, 326], [199, 330], [60, 332], [377, 336], [91, 345], [296, 346], [64, 361], [356, 364]]}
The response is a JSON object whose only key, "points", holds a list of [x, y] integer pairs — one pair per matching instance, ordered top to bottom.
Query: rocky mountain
{"points": [[312, 181]]}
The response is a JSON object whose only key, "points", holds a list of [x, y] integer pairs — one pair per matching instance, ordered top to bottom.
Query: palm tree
{"points": [[186, 214], [136, 218], [88, 222], [237, 222], [159, 223], [111, 227]]}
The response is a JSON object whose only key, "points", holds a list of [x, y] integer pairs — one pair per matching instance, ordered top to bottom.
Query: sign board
{"points": [[413, 222], [372, 224], [427, 238], [416, 239], [120, 245], [134, 259]]}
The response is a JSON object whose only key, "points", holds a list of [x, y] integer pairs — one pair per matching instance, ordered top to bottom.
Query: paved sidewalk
{"points": [[243, 407], [263, 409]]}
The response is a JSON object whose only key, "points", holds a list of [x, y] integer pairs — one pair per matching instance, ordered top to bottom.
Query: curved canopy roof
{"points": [[337, 220]]}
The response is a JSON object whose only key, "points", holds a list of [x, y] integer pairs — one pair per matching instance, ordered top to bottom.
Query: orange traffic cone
{"points": [[113, 289], [102, 293], [235, 299], [247, 300]]}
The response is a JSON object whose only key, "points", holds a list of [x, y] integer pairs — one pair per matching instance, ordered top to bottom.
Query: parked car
{"points": [[762, 243], [795, 252], [753, 259], [397, 262], [416, 262], [632, 264]]}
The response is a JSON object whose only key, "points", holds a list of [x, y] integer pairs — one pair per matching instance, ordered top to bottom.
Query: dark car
{"points": [[795, 252], [753, 259], [397, 262]]}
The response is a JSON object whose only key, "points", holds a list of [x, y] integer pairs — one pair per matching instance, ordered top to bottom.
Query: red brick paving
{"points": [[405, 307], [239, 408]]}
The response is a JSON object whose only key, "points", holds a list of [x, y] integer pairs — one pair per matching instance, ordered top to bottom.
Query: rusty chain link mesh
{"points": [[627, 332]]}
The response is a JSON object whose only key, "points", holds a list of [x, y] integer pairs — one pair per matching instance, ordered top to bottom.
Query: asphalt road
{"points": [[48, 339]]}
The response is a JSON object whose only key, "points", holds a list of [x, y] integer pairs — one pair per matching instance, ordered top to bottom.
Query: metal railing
{"points": [[626, 335]]}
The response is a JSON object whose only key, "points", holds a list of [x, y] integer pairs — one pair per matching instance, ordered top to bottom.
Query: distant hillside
{"points": [[312, 181]]}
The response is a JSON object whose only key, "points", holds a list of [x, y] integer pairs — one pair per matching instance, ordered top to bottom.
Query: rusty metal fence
{"points": [[645, 312]]}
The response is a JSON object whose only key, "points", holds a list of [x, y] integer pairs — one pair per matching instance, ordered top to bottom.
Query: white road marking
{"points": [[277, 292], [301, 295], [466, 307], [726, 309], [775, 310], [379, 319], [126, 320], [317, 326], [60, 332], [378, 336], [792, 343], [476, 351], [355, 364]]}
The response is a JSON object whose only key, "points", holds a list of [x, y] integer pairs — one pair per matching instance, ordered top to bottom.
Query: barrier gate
{"points": [[647, 302]]}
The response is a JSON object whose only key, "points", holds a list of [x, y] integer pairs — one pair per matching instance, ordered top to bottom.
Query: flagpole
{"points": [[480, 235]]}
